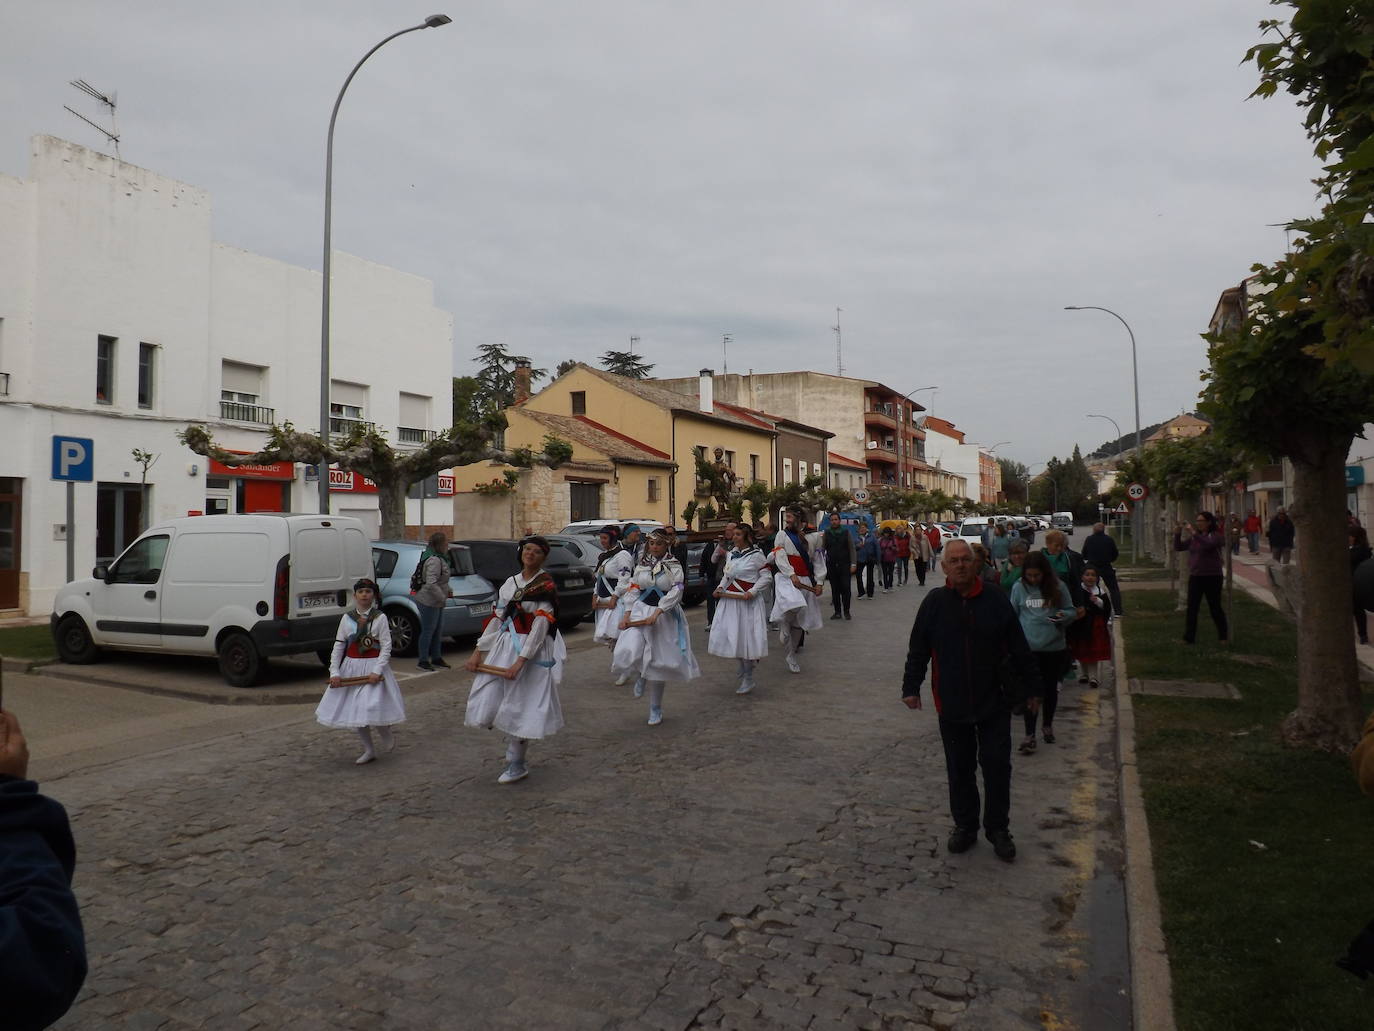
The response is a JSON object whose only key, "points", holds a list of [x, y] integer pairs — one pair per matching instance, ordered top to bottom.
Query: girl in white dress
{"points": [[614, 565], [797, 585], [740, 629], [522, 641], [654, 641], [362, 653]]}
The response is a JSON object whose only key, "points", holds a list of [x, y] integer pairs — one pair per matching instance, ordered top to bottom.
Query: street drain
{"points": [[1184, 689]]}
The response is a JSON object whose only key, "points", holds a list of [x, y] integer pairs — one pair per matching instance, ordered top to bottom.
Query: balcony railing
{"points": [[240, 412], [343, 427], [412, 435]]}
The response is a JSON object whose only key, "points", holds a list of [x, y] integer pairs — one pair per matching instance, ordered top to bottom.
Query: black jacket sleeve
{"points": [[919, 646], [42, 946]]}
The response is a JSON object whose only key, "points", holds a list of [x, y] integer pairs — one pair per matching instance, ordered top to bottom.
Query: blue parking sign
{"points": [[73, 459]]}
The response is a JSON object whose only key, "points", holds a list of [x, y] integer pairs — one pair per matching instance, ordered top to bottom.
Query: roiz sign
{"points": [[348, 480]]}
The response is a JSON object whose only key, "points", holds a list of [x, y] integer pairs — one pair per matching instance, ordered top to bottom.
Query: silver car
{"points": [[464, 613]]}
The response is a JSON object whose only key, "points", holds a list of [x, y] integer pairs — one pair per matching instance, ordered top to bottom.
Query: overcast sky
{"points": [[570, 174]]}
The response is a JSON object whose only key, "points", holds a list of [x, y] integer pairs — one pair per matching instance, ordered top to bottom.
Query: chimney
{"points": [[522, 381], [706, 392]]}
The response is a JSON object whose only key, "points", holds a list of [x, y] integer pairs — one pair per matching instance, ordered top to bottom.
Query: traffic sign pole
{"points": [[71, 530]]}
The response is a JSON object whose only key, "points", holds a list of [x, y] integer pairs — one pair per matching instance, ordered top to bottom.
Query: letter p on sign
{"points": [[73, 459]]}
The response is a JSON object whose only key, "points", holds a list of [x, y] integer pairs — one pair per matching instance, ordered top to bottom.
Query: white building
{"points": [[122, 320], [946, 450]]}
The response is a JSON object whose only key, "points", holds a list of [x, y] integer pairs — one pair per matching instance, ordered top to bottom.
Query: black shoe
{"points": [[837, 616], [848, 616], [440, 663], [425, 666], [961, 839], [1002, 845]]}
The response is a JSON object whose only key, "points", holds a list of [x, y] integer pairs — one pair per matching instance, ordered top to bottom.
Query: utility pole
{"points": [[725, 341], [839, 354]]}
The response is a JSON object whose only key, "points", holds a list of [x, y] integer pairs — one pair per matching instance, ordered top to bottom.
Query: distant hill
{"points": [[1111, 447]]}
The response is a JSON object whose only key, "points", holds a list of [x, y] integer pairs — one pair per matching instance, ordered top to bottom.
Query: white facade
{"points": [[109, 272], [953, 458]]}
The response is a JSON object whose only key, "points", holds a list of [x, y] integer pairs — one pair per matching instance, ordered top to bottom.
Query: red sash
{"points": [[354, 652]]}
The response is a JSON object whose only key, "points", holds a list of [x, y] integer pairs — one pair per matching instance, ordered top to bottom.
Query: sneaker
{"points": [[887, 590], [838, 616], [848, 616], [440, 663], [793, 664], [424, 666], [622, 680], [1092, 683], [745, 686], [639, 688], [655, 715], [1049, 735], [1027, 746], [365, 758], [515, 771], [961, 839], [1002, 845]]}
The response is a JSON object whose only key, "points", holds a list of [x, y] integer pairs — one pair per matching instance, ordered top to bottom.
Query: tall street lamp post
{"points": [[432, 22], [1135, 380]]}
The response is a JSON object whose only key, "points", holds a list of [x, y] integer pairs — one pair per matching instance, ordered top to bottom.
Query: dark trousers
{"points": [[859, 571], [921, 571], [1107, 574], [887, 575], [1208, 587], [840, 594], [711, 599], [1053, 666], [968, 746]]}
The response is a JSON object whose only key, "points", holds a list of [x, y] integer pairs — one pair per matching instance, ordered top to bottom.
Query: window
{"points": [[147, 360], [104, 370], [579, 401], [347, 402], [414, 425], [730, 459], [754, 468], [816, 468], [787, 470], [653, 488], [383, 562], [142, 563]]}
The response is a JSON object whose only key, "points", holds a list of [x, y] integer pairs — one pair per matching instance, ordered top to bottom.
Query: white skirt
{"points": [[804, 606], [607, 625], [740, 628], [659, 652], [362, 705], [526, 707]]}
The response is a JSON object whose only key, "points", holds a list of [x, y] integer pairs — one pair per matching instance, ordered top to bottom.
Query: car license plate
{"points": [[574, 581], [318, 600], [479, 610]]}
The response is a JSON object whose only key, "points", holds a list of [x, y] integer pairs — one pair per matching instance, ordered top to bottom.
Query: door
{"points": [[585, 501], [11, 509], [118, 518], [128, 606]]}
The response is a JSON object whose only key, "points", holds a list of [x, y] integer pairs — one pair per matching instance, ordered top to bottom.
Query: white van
{"points": [[1063, 521], [973, 528], [240, 587]]}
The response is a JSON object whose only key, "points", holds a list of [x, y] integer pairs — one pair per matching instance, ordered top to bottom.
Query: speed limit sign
{"points": [[1137, 491], [861, 495]]}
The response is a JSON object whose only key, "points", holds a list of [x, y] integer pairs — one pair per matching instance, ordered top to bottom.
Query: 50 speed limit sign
{"points": [[1137, 491]]}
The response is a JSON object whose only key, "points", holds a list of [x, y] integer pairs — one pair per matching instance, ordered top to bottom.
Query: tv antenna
{"points": [[108, 100], [725, 340], [839, 359]]}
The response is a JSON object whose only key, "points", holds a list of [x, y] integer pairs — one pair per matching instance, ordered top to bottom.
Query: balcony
{"points": [[238, 411], [881, 415], [343, 427], [412, 435]]}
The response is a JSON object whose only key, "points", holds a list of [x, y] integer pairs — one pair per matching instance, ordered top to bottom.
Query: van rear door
{"points": [[319, 584]]}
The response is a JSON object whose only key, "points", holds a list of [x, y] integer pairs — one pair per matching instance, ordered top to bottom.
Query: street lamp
{"points": [[432, 22], [1135, 380], [1114, 426]]}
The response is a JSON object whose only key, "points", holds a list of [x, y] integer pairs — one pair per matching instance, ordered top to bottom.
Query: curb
{"points": [[24, 665], [1152, 999]]}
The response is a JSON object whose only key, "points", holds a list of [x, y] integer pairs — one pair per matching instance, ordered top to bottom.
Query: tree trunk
{"points": [[391, 499], [1329, 712]]}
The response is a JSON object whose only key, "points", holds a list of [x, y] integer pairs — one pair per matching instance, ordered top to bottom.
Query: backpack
{"points": [[417, 578]]}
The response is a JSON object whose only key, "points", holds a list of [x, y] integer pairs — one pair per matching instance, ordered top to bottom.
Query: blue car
{"points": [[465, 612]]}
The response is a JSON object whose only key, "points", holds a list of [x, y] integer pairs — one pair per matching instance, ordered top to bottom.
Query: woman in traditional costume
{"points": [[614, 566], [797, 586], [740, 629], [654, 642], [519, 661], [362, 691]]}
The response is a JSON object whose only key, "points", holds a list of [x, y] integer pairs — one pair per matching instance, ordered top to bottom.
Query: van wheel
{"points": [[405, 631], [74, 644], [239, 661]]}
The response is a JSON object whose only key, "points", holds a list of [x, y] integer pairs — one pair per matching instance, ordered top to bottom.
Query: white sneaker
{"points": [[793, 664], [622, 680], [745, 686], [639, 688], [655, 716], [365, 758], [515, 771]]}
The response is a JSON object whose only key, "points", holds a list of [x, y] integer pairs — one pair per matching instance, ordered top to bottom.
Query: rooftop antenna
{"points": [[112, 133], [725, 341], [634, 342], [839, 359]]}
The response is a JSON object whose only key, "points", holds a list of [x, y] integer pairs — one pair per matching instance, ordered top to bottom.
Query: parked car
{"points": [[1064, 521], [591, 527], [972, 529], [498, 560], [239, 587], [695, 589], [464, 613]]}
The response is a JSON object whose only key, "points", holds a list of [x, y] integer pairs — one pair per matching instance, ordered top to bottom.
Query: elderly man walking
{"points": [[969, 636]]}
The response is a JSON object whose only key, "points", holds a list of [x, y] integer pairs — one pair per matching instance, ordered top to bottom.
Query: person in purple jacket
{"points": [[1204, 546]]}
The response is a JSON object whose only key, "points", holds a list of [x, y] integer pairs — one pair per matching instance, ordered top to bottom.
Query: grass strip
{"points": [[27, 642], [1252, 931]]}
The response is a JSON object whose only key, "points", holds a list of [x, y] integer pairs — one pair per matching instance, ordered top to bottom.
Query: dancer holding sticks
{"points": [[797, 585], [740, 629], [519, 661], [362, 691]]}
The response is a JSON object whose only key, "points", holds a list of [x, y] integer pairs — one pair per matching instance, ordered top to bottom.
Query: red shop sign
{"points": [[271, 471], [347, 480], [445, 484]]}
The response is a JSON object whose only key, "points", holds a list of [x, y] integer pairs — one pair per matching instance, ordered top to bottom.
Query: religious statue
{"points": [[722, 480]]}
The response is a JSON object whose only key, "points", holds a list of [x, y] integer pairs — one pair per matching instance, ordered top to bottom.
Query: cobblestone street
{"points": [[772, 860]]}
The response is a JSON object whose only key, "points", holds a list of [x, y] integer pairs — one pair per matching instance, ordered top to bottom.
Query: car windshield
{"points": [[462, 561]]}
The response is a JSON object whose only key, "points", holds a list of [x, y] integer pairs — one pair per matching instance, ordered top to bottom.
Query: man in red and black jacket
{"points": [[971, 640]]}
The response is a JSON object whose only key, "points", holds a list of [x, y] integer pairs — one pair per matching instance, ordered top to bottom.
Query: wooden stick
{"points": [[499, 671], [353, 681]]}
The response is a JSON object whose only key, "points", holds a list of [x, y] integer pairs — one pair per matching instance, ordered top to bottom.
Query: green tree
{"points": [[626, 363], [564, 367], [496, 376], [1294, 378], [1015, 477]]}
